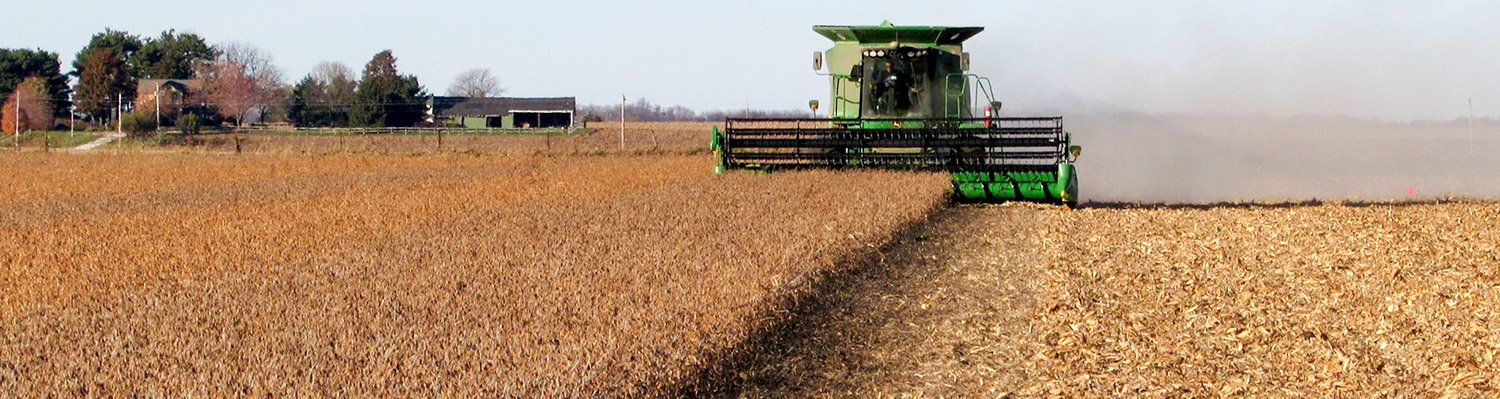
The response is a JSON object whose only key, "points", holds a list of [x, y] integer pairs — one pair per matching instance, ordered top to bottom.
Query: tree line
{"points": [[233, 83], [237, 83]]}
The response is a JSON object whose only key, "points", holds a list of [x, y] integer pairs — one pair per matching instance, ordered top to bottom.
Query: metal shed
{"points": [[503, 112]]}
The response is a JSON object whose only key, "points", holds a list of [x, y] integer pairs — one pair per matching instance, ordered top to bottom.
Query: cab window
{"points": [[893, 87]]}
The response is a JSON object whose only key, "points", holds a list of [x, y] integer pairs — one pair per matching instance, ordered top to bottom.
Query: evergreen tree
{"points": [[122, 45], [171, 56], [19, 64], [326, 95], [385, 97], [298, 109]]}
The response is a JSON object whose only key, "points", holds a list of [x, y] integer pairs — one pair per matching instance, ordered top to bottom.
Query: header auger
{"points": [[901, 98]]}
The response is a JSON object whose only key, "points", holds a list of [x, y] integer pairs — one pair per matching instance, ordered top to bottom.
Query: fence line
{"points": [[332, 131]]}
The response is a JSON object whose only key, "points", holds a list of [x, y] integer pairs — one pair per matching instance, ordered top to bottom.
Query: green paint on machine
{"points": [[901, 97], [1056, 187]]}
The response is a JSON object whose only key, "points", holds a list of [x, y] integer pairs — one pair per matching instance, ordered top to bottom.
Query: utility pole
{"points": [[156, 98], [72, 110], [119, 114], [18, 121], [622, 122]]}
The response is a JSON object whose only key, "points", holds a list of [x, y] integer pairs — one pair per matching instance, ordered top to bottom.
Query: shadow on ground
{"points": [[817, 349]]}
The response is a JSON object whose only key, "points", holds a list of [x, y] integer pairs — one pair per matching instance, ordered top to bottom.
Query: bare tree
{"points": [[257, 63], [328, 72], [241, 82], [476, 82], [336, 83]]}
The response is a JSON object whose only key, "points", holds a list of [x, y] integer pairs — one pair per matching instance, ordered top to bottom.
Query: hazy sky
{"points": [[1394, 60]]}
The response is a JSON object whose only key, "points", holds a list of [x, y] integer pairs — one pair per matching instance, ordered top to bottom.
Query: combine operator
{"points": [[893, 90]]}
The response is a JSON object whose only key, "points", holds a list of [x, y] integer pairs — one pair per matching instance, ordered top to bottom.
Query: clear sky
{"points": [[1393, 60]]}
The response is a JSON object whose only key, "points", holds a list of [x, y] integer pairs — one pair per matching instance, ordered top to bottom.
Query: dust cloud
{"points": [[1206, 102], [1202, 158]]}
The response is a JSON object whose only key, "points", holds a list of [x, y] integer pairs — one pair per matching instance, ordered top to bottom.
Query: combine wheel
{"points": [[1070, 196]]}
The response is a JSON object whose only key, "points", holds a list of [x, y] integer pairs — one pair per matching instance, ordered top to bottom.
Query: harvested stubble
{"points": [[599, 138], [439, 275], [1253, 301]]}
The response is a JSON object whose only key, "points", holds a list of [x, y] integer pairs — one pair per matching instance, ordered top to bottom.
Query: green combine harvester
{"points": [[902, 98]]}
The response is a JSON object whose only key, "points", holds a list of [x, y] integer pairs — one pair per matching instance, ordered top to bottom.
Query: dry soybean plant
{"points": [[598, 138], [460, 276]]}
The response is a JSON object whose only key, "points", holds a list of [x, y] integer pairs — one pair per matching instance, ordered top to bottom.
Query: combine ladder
{"points": [[954, 102]]}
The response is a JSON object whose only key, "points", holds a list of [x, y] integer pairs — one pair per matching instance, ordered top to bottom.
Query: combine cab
{"points": [[901, 99]]}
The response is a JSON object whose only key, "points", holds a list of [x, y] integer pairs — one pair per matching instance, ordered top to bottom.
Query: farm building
{"points": [[174, 93], [502, 112]]}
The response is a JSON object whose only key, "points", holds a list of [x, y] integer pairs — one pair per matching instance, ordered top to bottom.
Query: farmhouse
{"points": [[174, 93], [502, 112]]}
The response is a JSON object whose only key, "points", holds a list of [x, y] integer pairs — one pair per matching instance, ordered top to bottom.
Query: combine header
{"points": [[901, 98]]}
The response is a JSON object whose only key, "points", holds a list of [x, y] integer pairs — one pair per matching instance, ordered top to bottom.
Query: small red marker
{"points": [[1411, 191]]}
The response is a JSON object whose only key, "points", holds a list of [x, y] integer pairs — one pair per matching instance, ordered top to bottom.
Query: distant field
{"points": [[600, 137], [211, 275]]}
